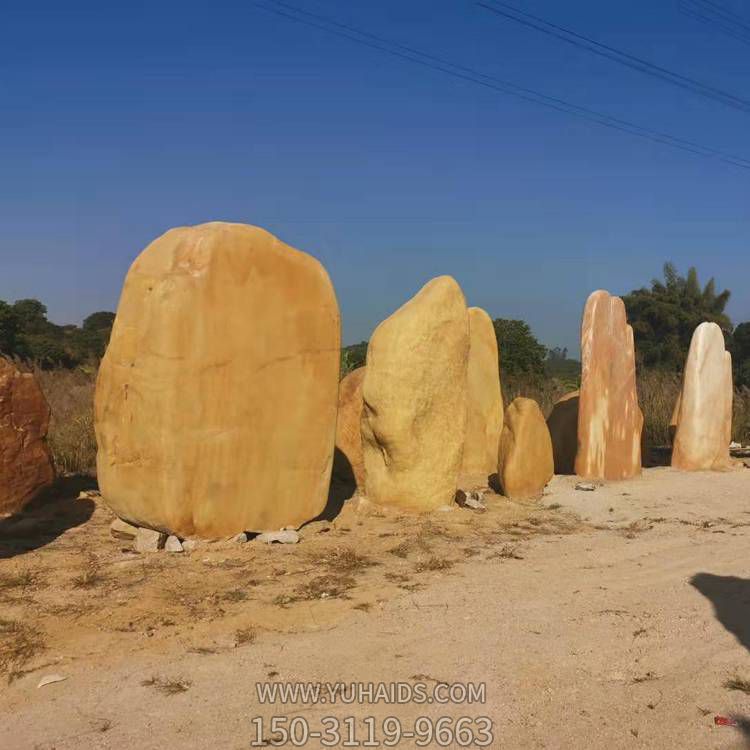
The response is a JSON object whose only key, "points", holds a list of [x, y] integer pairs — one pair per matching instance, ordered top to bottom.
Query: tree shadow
{"points": [[343, 486], [51, 513], [731, 599]]}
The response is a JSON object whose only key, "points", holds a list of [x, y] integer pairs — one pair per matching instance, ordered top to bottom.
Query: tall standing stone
{"points": [[414, 391], [216, 399], [485, 400], [704, 410], [609, 418], [349, 427], [525, 460], [25, 462]]}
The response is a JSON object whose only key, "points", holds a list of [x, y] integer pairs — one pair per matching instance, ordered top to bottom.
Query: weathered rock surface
{"points": [[414, 392], [216, 399], [704, 410], [609, 418], [484, 420], [348, 428], [563, 429], [525, 460], [25, 462]]}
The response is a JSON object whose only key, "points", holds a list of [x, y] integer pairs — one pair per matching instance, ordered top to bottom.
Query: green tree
{"points": [[665, 315], [8, 330], [520, 352], [741, 354], [352, 357]]}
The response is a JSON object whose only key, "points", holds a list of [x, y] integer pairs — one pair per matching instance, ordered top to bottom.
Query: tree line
{"points": [[663, 315], [27, 334]]}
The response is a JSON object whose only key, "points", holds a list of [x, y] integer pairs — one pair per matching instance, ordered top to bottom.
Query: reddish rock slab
{"points": [[609, 418], [25, 461]]}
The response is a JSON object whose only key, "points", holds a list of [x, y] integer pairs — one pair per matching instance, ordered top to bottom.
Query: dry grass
{"points": [[545, 391], [70, 394], [657, 394], [342, 560], [433, 563], [90, 576], [20, 579], [245, 636], [19, 643], [167, 686]]}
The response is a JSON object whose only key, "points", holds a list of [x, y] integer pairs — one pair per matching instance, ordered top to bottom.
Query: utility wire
{"points": [[734, 27], [414, 55], [623, 58]]}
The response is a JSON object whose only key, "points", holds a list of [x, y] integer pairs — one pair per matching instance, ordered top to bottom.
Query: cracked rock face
{"points": [[484, 399], [216, 400], [414, 400], [703, 414], [609, 418], [25, 461]]}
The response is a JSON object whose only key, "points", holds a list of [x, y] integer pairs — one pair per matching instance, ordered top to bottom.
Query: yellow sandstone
{"points": [[414, 392], [484, 398], [216, 399]]}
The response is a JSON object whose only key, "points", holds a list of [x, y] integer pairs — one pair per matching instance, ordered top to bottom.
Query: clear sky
{"points": [[121, 120]]}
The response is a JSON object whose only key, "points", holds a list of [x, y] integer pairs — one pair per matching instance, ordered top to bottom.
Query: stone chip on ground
{"points": [[285, 536], [148, 540]]}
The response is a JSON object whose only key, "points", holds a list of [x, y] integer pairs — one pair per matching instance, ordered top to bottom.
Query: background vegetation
{"points": [[663, 315]]}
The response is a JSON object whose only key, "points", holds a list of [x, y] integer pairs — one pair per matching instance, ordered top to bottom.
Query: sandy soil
{"points": [[604, 619]]}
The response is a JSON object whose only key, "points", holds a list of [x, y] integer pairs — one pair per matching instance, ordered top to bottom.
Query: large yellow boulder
{"points": [[414, 392], [484, 397], [216, 400], [703, 414], [609, 418], [348, 428], [25, 461], [525, 462]]}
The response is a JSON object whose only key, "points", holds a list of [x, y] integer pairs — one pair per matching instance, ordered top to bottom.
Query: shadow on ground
{"points": [[343, 486], [45, 518], [731, 599]]}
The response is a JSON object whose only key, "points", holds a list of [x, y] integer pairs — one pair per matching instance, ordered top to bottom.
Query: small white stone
{"points": [[287, 536], [240, 538], [148, 540], [173, 544]]}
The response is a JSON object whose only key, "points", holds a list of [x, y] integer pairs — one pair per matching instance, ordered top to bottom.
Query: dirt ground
{"points": [[618, 618]]}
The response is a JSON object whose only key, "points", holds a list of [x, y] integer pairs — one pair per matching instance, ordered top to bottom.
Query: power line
{"points": [[706, 13], [724, 13], [414, 55], [623, 58]]}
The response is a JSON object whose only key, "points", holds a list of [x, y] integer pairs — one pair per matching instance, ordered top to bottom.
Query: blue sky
{"points": [[117, 123]]}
